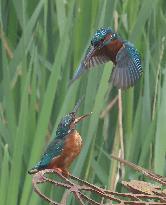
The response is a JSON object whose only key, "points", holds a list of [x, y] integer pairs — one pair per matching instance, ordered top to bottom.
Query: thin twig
{"points": [[115, 14], [109, 107], [120, 111], [145, 172], [76, 185]]}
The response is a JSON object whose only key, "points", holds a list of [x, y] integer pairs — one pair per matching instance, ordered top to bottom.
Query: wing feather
{"points": [[93, 57], [128, 67], [54, 149]]}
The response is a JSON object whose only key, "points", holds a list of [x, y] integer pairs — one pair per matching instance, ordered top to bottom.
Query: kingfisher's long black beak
{"points": [[76, 107], [78, 119]]}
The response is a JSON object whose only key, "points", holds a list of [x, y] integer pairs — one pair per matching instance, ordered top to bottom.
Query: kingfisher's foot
{"points": [[58, 170], [65, 173], [39, 177]]}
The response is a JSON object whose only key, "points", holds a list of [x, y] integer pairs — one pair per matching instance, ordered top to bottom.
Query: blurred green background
{"points": [[42, 43]]}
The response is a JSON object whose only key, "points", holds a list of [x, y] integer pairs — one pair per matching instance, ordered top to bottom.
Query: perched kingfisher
{"points": [[107, 45], [65, 147]]}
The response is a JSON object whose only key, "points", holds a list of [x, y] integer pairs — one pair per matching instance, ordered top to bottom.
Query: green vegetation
{"points": [[41, 45]]}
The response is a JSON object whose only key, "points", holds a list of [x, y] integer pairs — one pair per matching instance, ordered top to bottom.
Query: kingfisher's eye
{"points": [[114, 36]]}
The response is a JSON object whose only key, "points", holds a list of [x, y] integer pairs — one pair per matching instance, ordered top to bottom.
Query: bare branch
{"points": [[142, 193]]}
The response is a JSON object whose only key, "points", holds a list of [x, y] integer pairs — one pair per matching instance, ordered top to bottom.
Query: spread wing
{"points": [[95, 57], [92, 58], [128, 67], [54, 149]]}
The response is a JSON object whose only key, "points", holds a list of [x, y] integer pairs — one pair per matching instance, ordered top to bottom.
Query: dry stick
{"points": [[115, 14], [157, 78], [119, 103], [109, 107], [120, 122], [120, 125], [146, 172], [37, 178], [40, 178], [85, 182], [71, 187], [76, 189], [96, 189], [37, 190], [102, 194], [106, 194], [123, 194], [126, 195], [136, 196], [78, 197], [90, 201], [143, 203]]}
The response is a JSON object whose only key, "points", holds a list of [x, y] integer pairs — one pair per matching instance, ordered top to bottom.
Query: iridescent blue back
{"points": [[107, 45], [55, 147]]}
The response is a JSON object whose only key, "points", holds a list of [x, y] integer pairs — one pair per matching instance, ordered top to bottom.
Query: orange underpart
{"points": [[112, 49], [72, 148]]}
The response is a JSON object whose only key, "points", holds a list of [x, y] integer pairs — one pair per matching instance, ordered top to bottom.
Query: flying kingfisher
{"points": [[107, 45], [65, 147]]}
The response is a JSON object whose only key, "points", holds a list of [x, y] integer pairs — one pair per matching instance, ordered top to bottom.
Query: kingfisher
{"points": [[107, 45], [65, 147]]}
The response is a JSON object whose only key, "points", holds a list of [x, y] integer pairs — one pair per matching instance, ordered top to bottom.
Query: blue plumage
{"points": [[99, 35], [107, 45], [136, 59], [128, 66], [66, 145], [55, 147]]}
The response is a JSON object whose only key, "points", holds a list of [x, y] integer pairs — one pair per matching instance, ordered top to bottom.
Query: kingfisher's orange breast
{"points": [[112, 49], [72, 148]]}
